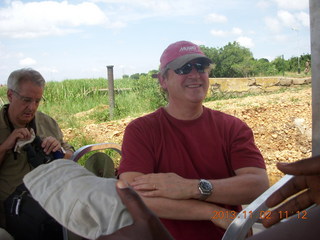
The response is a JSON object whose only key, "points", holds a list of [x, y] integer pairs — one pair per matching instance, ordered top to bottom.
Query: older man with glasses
{"points": [[20, 122], [193, 166]]}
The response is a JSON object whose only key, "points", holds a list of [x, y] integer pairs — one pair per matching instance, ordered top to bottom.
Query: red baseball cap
{"points": [[179, 53]]}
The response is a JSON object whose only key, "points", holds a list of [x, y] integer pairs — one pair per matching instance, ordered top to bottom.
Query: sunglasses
{"points": [[187, 68]]}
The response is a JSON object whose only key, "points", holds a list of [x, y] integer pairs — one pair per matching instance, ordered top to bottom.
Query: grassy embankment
{"points": [[62, 100]]}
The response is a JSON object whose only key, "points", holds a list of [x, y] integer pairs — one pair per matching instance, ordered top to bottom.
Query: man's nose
{"points": [[33, 105]]}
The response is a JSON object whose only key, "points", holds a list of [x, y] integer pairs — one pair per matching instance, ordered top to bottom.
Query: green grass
{"points": [[297, 75], [220, 96], [63, 100]]}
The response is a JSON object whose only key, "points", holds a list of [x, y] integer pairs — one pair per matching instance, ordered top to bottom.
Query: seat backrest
{"points": [[93, 147], [101, 164], [244, 221]]}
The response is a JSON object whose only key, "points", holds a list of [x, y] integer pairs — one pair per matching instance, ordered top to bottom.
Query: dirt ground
{"points": [[281, 124]]}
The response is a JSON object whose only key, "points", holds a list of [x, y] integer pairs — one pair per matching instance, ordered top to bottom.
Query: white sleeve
{"points": [[80, 201]]}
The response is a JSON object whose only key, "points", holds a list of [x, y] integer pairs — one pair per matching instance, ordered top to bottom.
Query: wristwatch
{"points": [[205, 188]]}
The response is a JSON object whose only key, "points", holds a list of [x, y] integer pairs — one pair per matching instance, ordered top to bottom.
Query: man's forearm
{"points": [[241, 189], [187, 210]]}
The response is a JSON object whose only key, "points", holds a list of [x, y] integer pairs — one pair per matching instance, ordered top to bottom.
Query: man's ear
{"points": [[162, 81], [9, 95]]}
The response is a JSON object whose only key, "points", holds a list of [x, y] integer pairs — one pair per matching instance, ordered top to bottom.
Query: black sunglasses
{"points": [[187, 68]]}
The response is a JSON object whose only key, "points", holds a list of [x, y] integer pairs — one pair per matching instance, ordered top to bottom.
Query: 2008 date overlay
{"points": [[262, 214]]}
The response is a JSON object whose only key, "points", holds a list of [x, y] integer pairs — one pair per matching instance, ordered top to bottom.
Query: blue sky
{"points": [[79, 38]]}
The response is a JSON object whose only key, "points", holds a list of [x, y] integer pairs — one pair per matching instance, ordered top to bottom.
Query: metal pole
{"points": [[314, 8], [298, 47], [283, 65], [111, 90]]}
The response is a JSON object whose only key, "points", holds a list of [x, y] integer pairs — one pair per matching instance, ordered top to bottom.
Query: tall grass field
{"points": [[133, 97], [62, 100]]}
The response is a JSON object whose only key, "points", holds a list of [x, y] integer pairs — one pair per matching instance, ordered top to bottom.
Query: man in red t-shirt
{"points": [[193, 166]]}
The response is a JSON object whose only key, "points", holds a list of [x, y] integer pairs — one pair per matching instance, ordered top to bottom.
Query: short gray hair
{"points": [[24, 74]]}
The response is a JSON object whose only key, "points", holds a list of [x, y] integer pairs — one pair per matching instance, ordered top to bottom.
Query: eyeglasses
{"points": [[187, 68], [26, 100]]}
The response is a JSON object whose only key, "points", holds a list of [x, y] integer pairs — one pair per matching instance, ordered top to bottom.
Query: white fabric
{"points": [[20, 143], [82, 202], [4, 235]]}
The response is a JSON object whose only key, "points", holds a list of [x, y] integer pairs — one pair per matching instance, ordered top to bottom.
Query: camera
{"points": [[36, 156]]}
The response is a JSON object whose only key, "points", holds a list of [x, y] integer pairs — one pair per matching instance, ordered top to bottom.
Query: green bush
{"points": [[149, 92]]}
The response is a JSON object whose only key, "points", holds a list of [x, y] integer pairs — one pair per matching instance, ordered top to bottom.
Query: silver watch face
{"points": [[205, 186]]}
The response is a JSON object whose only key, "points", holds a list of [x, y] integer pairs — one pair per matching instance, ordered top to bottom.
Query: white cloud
{"points": [[263, 4], [292, 4], [146, 8], [47, 18], [216, 18], [303, 18], [287, 19], [273, 24], [237, 31], [219, 33], [280, 37], [198, 42], [245, 42], [1, 49], [27, 62], [48, 69]]}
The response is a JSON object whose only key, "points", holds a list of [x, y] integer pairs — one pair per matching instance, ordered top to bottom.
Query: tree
{"points": [[213, 54], [232, 60], [293, 62], [280, 64], [263, 67], [244, 68], [135, 76]]}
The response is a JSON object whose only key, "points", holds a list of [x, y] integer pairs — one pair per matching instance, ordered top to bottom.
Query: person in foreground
{"points": [[20, 123], [189, 162], [307, 177], [300, 193], [146, 225]]}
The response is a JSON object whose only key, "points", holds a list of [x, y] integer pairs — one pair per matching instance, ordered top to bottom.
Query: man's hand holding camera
{"points": [[50, 144]]}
